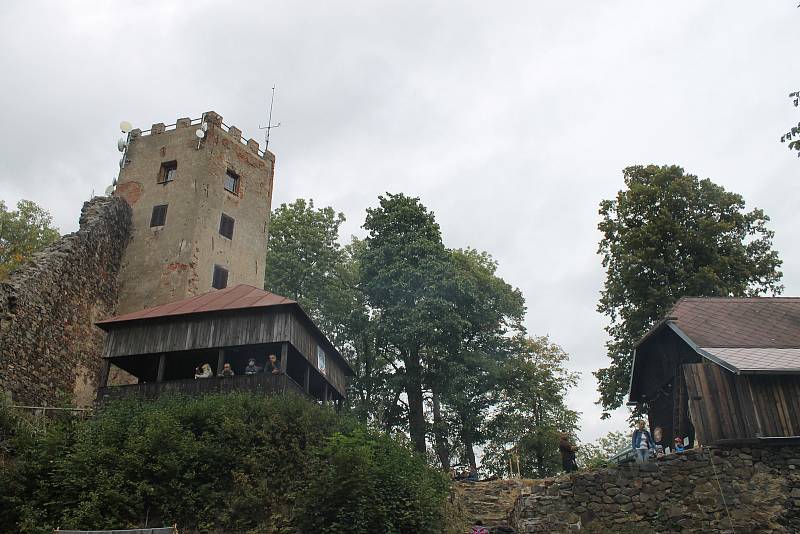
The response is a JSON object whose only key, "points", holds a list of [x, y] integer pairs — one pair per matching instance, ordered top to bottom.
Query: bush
{"points": [[226, 463], [365, 484]]}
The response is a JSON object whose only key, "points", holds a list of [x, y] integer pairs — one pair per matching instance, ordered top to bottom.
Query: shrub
{"points": [[224, 463]]}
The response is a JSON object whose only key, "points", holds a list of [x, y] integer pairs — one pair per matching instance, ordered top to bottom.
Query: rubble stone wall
{"points": [[49, 347], [759, 487]]}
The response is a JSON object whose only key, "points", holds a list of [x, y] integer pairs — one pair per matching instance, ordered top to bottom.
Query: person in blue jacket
{"points": [[642, 443]]}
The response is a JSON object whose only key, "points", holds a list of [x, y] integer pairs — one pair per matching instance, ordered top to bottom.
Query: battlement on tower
{"points": [[214, 120]]}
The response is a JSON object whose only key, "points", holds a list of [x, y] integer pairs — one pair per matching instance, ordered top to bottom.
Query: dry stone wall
{"points": [[49, 347], [677, 493]]}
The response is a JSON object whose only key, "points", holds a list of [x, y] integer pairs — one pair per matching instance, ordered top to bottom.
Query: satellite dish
{"points": [[125, 126], [200, 133], [121, 145], [109, 190]]}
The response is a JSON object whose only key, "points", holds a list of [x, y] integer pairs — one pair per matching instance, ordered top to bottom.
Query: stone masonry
{"points": [[174, 260], [49, 347], [676, 493]]}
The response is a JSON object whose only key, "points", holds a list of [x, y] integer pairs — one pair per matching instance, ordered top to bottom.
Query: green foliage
{"points": [[793, 135], [23, 231], [670, 235], [306, 263], [427, 329], [531, 409], [597, 454], [231, 463], [366, 483]]}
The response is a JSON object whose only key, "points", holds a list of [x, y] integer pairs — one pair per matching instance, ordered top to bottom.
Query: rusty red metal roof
{"points": [[232, 298]]}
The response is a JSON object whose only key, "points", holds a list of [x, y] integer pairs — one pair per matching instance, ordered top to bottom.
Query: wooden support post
{"points": [[284, 357], [220, 361], [162, 363], [104, 371], [307, 379], [325, 392]]}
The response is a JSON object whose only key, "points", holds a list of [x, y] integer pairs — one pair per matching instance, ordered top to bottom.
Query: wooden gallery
{"points": [[162, 349], [722, 370]]}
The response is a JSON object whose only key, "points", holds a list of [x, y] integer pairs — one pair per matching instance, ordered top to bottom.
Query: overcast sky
{"points": [[510, 120]]}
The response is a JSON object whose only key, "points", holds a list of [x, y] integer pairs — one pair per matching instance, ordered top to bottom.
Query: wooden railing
{"points": [[259, 383]]}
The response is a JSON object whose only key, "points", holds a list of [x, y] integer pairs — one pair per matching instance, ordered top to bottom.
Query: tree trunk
{"points": [[416, 412], [440, 432], [470, 452]]}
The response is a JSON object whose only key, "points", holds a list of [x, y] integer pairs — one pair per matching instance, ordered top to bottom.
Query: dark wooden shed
{"points": [[162, 346], [722, 369]]}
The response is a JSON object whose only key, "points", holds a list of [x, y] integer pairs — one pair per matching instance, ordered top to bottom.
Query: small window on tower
{"points": [[168, 172], [232, 182], [159, 216], [226, 226], [220, 280]]}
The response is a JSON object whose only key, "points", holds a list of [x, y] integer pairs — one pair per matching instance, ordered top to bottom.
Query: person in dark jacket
{"points": [[273, 365], [252, 368], [642, 442], [567, 450]]}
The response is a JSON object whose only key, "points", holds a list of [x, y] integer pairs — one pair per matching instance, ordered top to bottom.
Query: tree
{"points": [[793, 135], [23, 231], [670, 235], [404, 270], [462, 378], [531, 409], [596, 454]]}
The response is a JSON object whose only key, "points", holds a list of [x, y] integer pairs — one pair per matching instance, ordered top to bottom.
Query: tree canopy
{"points": [[792, 136], [23, 231], [669, 235], [434, 334]]}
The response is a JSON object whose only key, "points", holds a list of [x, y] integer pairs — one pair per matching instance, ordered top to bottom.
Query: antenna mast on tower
{"points": [[269, 125]]}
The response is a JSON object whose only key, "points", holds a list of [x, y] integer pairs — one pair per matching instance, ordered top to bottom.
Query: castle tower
{"points": [[201, 208]]}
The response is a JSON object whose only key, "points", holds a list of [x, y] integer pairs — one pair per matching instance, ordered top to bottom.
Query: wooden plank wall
{"points": [[222, 330], [776, 399], [728, 406]]}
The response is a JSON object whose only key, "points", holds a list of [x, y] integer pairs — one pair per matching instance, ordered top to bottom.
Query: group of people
{"points": [[273, 366], [643, 444]]}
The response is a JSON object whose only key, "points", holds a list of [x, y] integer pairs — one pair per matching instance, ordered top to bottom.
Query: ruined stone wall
{"points": [[49, 347], [677, 493]]}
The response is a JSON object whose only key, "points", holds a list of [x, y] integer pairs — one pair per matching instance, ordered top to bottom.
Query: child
{"points": [[679, 445], [478, 528]]}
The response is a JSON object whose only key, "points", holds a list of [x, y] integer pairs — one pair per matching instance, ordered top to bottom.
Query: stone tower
{"points": [[201, 210]]}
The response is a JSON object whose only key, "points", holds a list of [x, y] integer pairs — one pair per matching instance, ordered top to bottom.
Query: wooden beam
{"points": [[284, 357], [220, 361], [162, 363], [104, 370], [307, 378], [325, 392]]}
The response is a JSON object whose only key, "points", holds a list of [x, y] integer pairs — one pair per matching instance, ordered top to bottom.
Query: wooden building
{"points": [[162, 346], [722, 369]]}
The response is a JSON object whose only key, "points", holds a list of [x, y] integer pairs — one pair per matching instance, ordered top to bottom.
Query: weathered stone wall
{"points": [[176, 260], [49, 347], [677, 493]]}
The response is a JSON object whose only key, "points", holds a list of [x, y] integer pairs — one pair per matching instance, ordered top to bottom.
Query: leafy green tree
{"points": [[793, 135], [23, 231], [669, 235], [305, 262], [405, 277], [462, 378], [531, 409], [596, 454]]}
